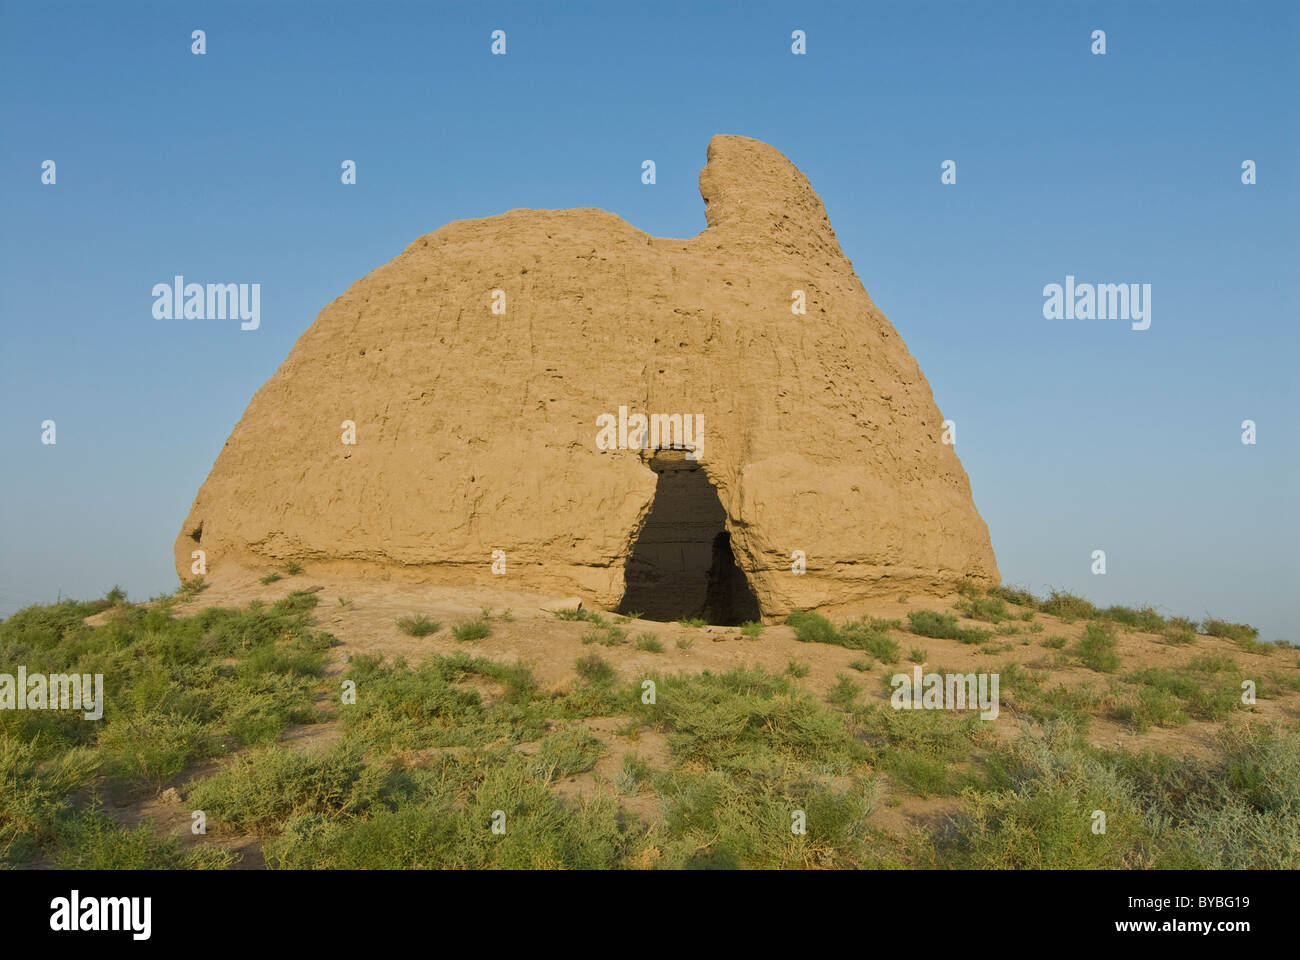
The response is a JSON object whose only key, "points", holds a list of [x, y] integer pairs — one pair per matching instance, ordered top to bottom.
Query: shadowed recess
{"points": [[681, 563]]}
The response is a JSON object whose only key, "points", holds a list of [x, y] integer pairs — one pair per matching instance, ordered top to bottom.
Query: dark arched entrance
{"points": [[682, 563]]}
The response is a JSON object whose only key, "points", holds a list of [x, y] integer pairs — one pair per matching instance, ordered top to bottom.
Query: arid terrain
{"points": [[1143, 722]]}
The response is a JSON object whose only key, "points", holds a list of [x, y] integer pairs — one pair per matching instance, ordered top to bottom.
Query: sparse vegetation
{"points": [[1017, 596], [1068, 607], [991, 609], [579, 613], [1145, 619], [418, 625], [944, 626], [752, 629], [467, 631], [1236, 632], [862, 634], [607, 635], [649, 642], [1096, 648], [594, 669], [427, 752]]}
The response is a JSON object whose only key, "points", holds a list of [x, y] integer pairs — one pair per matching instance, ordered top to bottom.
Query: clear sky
{"points": [[1077, 434]]}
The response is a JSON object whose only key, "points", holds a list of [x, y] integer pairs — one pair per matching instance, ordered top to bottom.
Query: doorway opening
{"points": [[682, 564]]}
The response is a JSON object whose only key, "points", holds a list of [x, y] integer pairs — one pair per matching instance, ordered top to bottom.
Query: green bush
{"points": [[1067, 606], [1145, 619], [418, 625], [943, 626], [811, 627], [469, 630], [1096, 648], [594, 669], [565, 752]]}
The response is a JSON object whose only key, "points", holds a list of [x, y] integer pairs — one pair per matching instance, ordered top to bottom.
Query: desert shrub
{"points": [[1016, 595], [1067, 606], [991, 609], [581, 613], [1145, 618], [693, 622], [931, 623], [418, 625], [943, 626], [812, 627], [752, 629], [469, 630], [1236, 632], [607, 635], [864, 635], [649, 642], [1055, 642], [1096, 648], [594, 669], [1209, 686], [845, 691], [432, 705], [1071, 705], [1151, 707], [745, 717], [155, 747], [918, 748], [568, 751], [632, 774], [266, 786], [36, 795], [1240, 810], [1036, 812], [715, 821], [543, 832], [93, 841]]}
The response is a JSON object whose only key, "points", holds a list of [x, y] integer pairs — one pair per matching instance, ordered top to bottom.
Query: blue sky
{"points": [[1077, 435]]}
